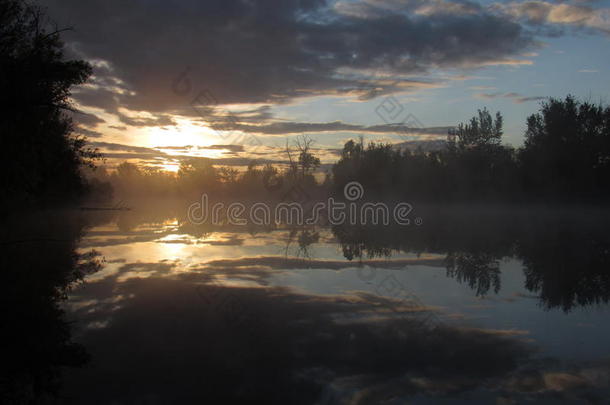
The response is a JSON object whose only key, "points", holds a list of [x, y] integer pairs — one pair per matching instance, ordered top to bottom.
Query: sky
{"points": [[236, 80]]}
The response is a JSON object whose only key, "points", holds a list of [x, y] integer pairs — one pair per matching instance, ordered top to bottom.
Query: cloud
{"points": [[558, 14], [271, 52], [482, 88], [516, 97], [520, 100], [87, 120], [151, 121], [289, 128], [79, 130], [117, 147], [186, 148], [233, 148], [234, 155]]}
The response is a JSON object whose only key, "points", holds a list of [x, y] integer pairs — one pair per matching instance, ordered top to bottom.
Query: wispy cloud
{"points": [[515, 97]]}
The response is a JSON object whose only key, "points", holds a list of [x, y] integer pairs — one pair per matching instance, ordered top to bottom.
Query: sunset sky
{"points": [[233, 80]]}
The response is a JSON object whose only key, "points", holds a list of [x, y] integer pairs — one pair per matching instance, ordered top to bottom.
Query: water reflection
{"points": [[565, 254], [39, 265], [484, 309], [273, 345]]}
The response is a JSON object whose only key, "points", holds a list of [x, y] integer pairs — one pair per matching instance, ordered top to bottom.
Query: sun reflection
{"points": [[170, 167]]}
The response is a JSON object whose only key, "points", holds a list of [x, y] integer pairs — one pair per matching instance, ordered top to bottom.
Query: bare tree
{"points": [[307, 161]]}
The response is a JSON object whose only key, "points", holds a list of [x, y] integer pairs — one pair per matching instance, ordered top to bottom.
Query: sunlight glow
{"points": [[184, 133], [170, 167]]}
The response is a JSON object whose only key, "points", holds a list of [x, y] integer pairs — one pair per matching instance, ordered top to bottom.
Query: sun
{"points": [[184, 133], [185, 138]]}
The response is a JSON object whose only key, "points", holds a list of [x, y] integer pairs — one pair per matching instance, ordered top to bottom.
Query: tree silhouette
{"points": [[480, 132], [567, 150], [41, 155], [307, 161], [477, 167], [40, 261]]}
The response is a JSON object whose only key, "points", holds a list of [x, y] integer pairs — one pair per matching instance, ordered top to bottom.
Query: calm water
{"points": [[484, 306]]}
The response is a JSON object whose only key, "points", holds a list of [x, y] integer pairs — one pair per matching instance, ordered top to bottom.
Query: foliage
{"points": [[480, 132], [567, 150], [42, 156], [566, 157]]}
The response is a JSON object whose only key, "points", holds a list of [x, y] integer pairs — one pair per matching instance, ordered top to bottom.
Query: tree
{"points": [[481, 132], [566, 153], [42, 156], [308, 162], [302, 164], [477, 167], [481, 167], [348, 168], [198, 175], [228, 175]]}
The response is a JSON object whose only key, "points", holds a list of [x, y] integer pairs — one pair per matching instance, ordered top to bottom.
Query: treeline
{"points": [[565, 157], [199, 175]]}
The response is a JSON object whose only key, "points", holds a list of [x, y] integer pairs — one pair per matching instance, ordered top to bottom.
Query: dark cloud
{"points": [[270, 51], [97, 97], [87, 120], [158, 120], [265, 124], [283, 128], [79, 130], [117, 147], [232, 148], [119, 152], [156, 152], [128, 155]]}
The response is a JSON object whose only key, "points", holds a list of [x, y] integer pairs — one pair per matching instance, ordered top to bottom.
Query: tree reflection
{"points": [[565, 254], [567, 263], [40, 265], [480, 270]]}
